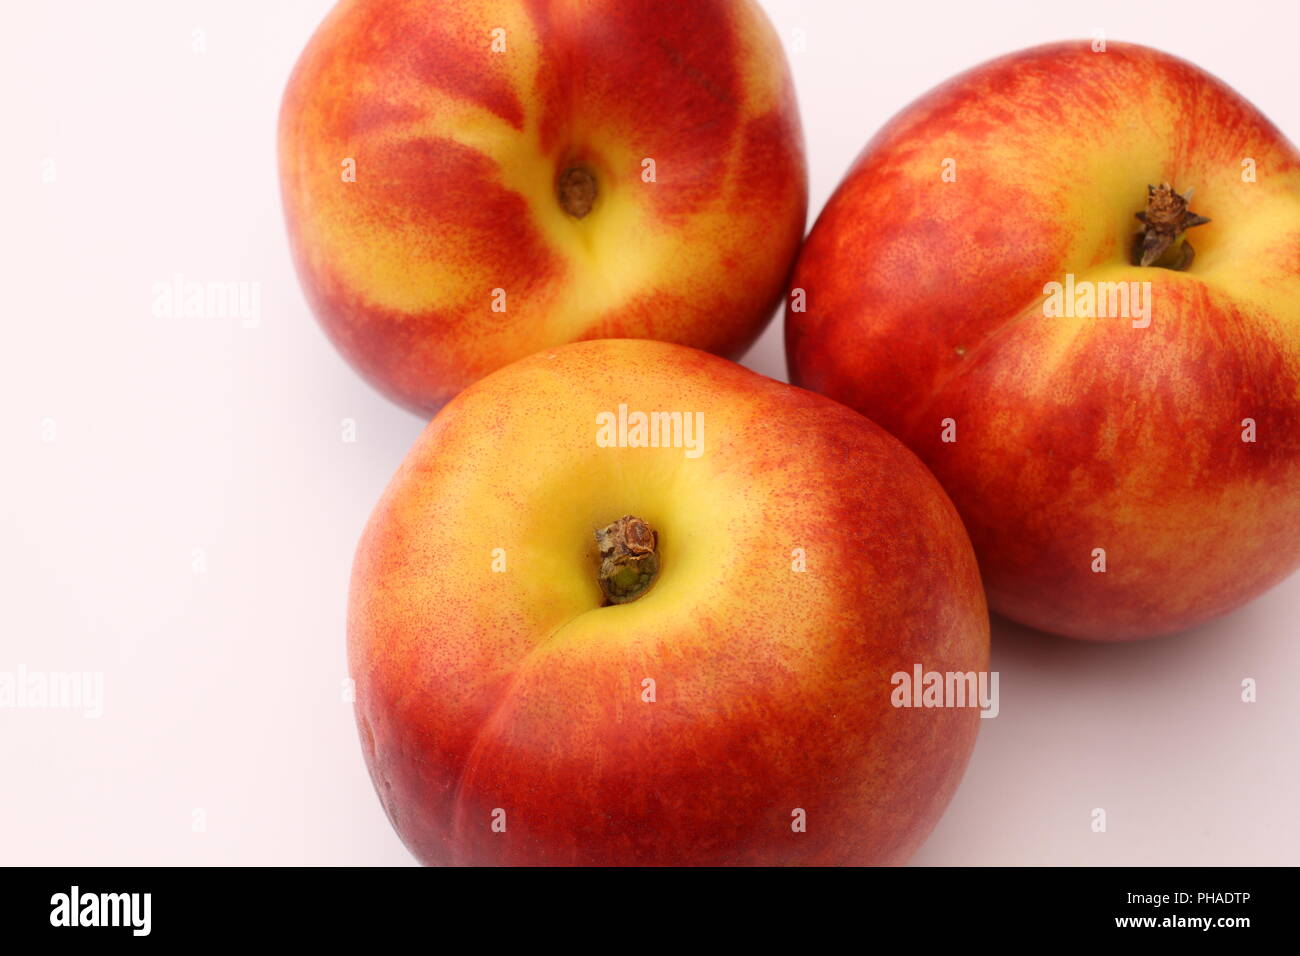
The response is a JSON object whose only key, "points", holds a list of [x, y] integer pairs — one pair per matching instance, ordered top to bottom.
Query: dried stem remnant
{"points": [[577, 191], [1164, 221], [629, 559]]}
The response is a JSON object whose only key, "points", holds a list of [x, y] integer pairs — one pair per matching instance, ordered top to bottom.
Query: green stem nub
{"points": [[629, 559]]}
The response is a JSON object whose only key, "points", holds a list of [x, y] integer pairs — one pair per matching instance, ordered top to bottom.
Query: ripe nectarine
{"points": [[469, 181], [1116, 417], [533, 688]]}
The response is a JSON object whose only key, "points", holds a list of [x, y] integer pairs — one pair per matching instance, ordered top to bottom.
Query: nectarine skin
{"points": [[448, 253], [924, 302], [511, 695]]}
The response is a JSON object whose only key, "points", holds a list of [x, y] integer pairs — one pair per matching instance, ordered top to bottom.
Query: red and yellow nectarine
{"points": [[469, 181], [1123, 472], [738, 711]]}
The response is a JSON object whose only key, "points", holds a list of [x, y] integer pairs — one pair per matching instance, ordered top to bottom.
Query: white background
{"points": [[223, 687]]}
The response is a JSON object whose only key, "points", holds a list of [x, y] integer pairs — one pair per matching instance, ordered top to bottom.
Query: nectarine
{"points": [[469, 181], [1116, 417], [626, 602]]}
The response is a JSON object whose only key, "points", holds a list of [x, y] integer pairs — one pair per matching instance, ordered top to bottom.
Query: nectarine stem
{"points": [[577, 191], [1164, 221], [629, 559]]}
